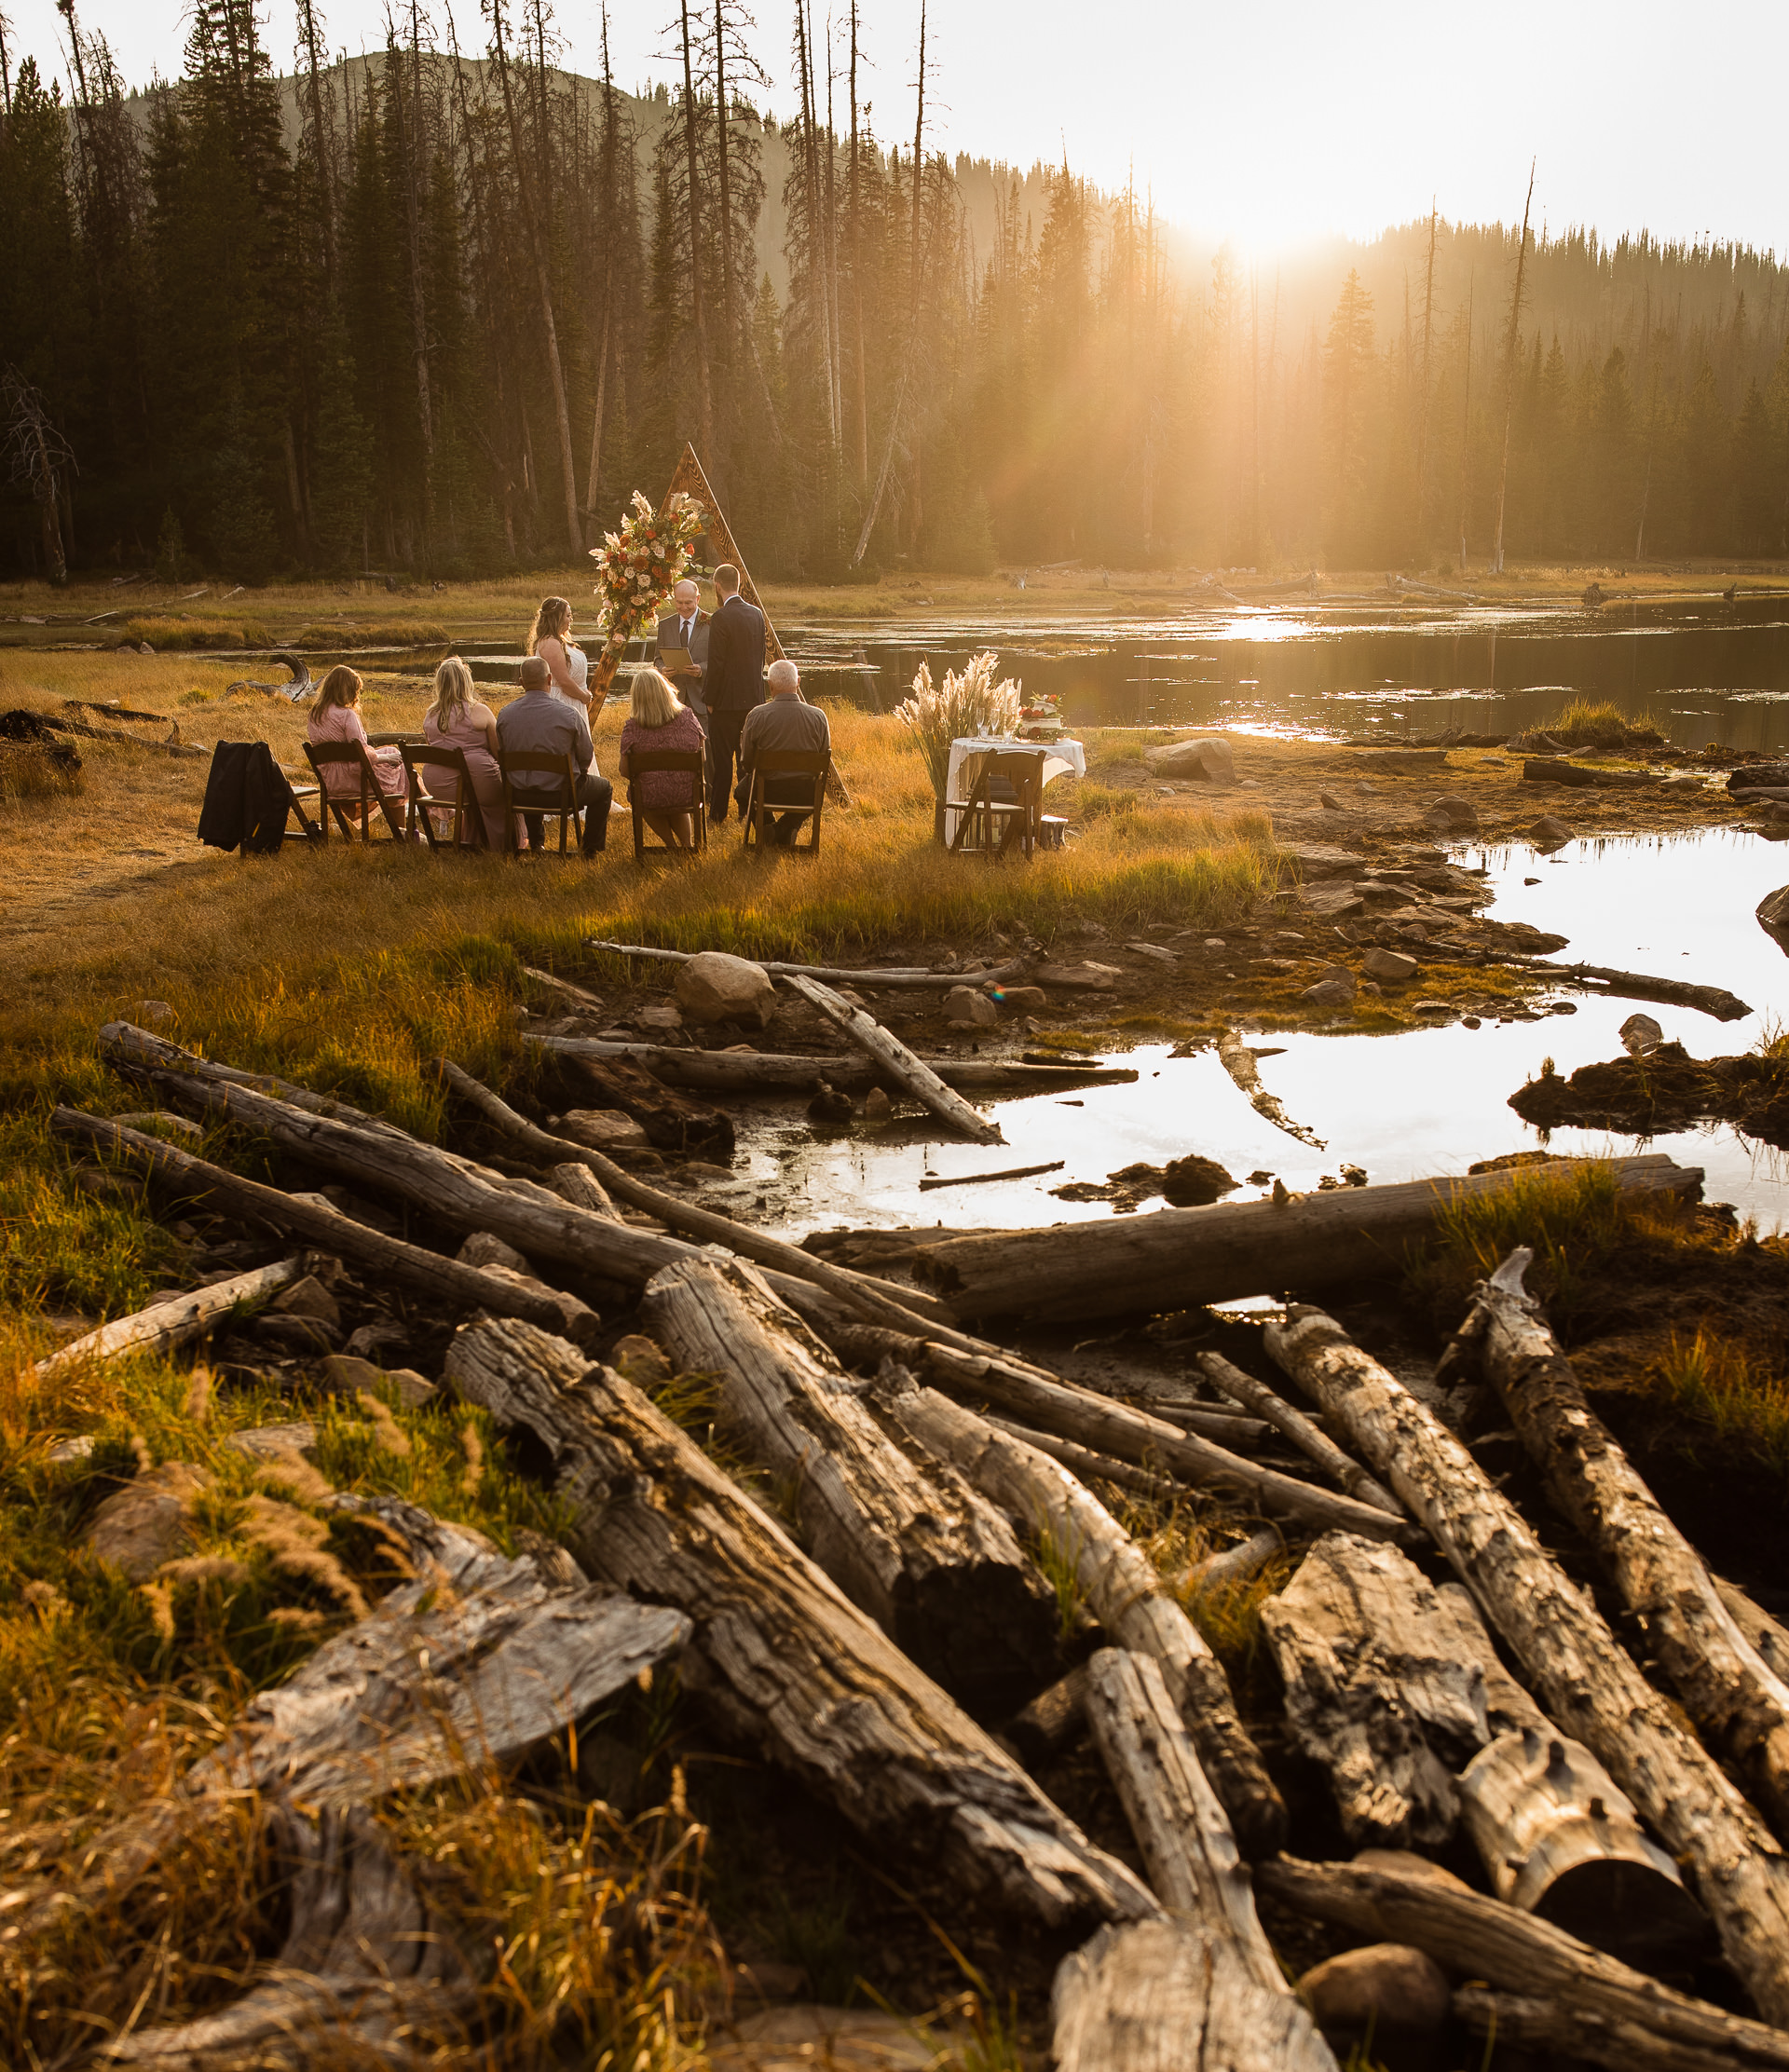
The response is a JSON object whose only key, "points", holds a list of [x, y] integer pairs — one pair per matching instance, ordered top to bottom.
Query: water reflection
{"points": [[1482, 670], [1430, 1101]]}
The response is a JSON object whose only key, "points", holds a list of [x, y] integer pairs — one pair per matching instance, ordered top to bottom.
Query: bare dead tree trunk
{"points": [[414, 166], [537, 241], [857, 274], [1510, 375], [704, 397], [1421, 415], [1465, 425]]}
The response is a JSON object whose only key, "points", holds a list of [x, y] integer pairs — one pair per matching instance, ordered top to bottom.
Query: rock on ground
{"points": [[1209, 760], [1451, 812], [1548, 831], [1773, 917], [1388, 964], [718, 987], [1329, 992], [965, 1003], [601, 1129], [485, 1248], [147, 1521], [1391, 1996]]}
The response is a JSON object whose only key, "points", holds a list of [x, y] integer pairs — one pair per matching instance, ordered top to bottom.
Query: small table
{"points": [[1060, 758]]}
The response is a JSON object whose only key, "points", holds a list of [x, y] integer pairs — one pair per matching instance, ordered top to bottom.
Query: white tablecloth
{"points": [[1060, 757]]}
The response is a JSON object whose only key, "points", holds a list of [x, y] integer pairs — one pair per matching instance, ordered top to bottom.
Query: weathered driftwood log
{"points": [[833, 975], [1597, 978], [575, 997], [892, 1056], [1238, 1060], [781, 1072], [673, 1121], [579, 1186], [1182, 1256], [389, 1259], [850, 1286], [175, 1322], [1057, 1406], [1293, 1425], [1091, 1466], [931, 1561], [1235, 1565], [1123, 1588], [1769, 1639], [779, 1651], [477, 1661], [1589, 1683], [1394, 1688], [1737, 1699], [1054, 1718], [1187, 1843], [1480, 1938], [368, 1968], [1166, 1995], [1561, 2031]]}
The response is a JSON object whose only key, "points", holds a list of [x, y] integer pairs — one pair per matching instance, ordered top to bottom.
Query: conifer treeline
{"points": [[440, 313]]}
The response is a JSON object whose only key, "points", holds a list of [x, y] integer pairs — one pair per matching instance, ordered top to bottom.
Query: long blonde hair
{"points": [[552, 618], [341, 686], [453, 691], [653, 703]]}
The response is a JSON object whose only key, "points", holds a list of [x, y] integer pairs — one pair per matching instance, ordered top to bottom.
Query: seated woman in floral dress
{"points": [[337, 718], [658, 721]]}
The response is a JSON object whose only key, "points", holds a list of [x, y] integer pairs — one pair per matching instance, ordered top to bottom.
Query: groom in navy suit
{"points": [[732, 683]]}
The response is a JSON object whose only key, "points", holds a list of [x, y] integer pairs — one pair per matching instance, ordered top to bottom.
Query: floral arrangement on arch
{"points": [[639, 568]]}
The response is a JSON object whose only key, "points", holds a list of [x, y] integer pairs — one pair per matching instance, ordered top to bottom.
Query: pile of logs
{"points": [[941, 1498]]}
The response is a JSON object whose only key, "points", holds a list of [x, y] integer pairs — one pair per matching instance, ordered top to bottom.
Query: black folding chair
{"points": [[324, 755], [421, 755], [693, 763], [776, 767], [561, 800]]}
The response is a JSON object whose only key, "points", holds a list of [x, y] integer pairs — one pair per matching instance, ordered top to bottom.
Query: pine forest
{"points": [[439, 312]]}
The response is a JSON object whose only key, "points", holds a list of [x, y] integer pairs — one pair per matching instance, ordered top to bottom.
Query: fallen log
{"points": [[1549, 769], [908, 975], [1598, 978], [575, 997], [1238, 1060], [896, 1061], [778, 1072], [673, 1121], [934, 1181], [579, 1186], [1179, 1257], [424, 1273], [850, 1286], [175, 1322], [1032, 1397], [1294, 1424], [1090, 1466], [930, 1560], [1235, 1565], [1123, 1588], [1769, 1641], [782, 1655], [1587, 1680], [1394, 1688], [1737, 1699], [1054, 1718], [1187, 1844], [1480, 1938], [368, 1969], [1164, 1995]]}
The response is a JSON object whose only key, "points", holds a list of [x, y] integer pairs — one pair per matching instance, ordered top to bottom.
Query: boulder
{"points": [[1209, 759], [1452, 812], [1549, 831], [1325, 860], [1773, 917], [1388, 964], [1086, 978], [717, 987], [1329, 992], [1022, 999], [967, 1004], [661, 1018], [1639, 1034], [878, 1108], [601, 1129], [1192, 1182], [485, 1248], [309, 1298], [640, 1360], [273, 1442], [148, 1521], [1387, 1997]]}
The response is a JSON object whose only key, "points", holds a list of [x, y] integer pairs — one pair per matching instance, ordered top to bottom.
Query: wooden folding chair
{"points": [[321, 755], [421, 755], [515, 763], [693, 763], [811, 763], [981, 815], [309, 830]]}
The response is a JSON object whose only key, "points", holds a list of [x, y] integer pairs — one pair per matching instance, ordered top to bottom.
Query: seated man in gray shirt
{"points": [[783, 721], [539, 724]]}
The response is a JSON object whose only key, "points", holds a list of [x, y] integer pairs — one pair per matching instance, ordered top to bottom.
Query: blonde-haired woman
{"points": [[550, 637], [337, 718], [457, 719], [658, 720]]}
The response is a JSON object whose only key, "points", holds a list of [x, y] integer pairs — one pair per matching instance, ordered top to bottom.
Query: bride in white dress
{"points": [[550, 637]]}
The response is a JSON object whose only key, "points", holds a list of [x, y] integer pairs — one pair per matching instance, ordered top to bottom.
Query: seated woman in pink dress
{"points": [[336, 716], [458, 720], [658, 720]]}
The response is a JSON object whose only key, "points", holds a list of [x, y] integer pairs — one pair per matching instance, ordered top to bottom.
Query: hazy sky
{"points": [[1265, 123]]}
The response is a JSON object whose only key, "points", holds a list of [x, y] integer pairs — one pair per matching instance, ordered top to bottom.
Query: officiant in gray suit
{"points": [[686, 627]]}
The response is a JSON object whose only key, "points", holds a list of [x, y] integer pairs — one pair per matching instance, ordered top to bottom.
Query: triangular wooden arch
{"points": [[690, 479]]}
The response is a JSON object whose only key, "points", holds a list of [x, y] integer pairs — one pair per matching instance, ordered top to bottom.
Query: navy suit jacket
{"points": [[733, 680]]}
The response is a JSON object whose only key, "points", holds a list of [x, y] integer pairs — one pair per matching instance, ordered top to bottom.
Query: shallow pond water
{"points": [[1716, 672], [1425, 1102]]}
